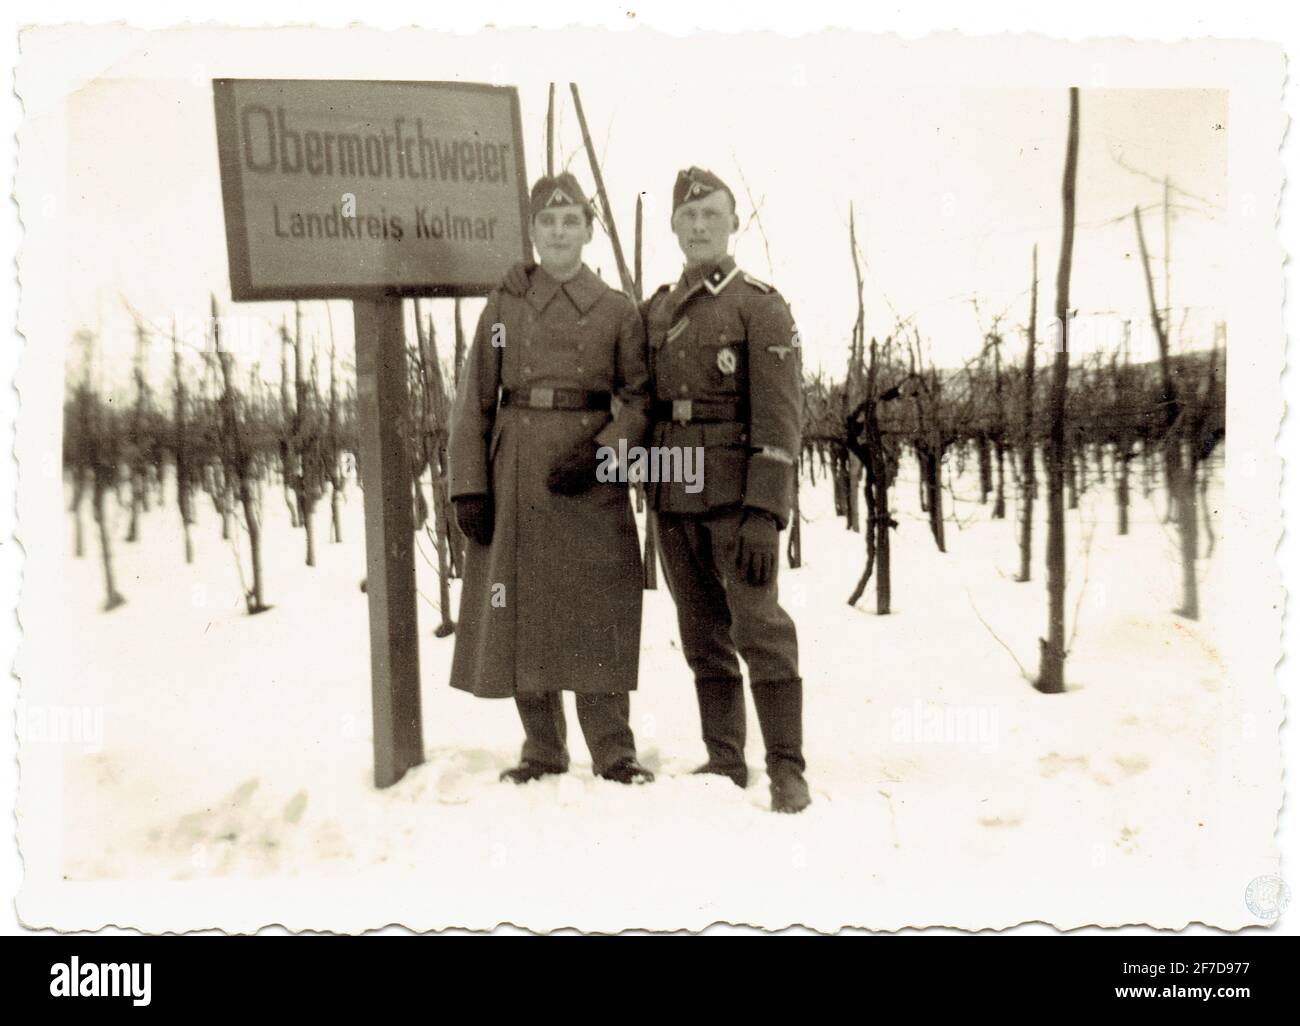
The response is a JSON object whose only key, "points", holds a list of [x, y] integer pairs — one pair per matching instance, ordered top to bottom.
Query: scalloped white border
{"points": [[1254, 386]]}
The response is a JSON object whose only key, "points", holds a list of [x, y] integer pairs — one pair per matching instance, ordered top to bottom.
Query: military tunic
{"points": [[720, 337], [554, 602]]}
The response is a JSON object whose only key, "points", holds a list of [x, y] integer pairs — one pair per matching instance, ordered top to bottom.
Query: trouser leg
{"points": [[703, 619], [704, 622], [761, 630], [766, 638], [542, 715], [604, 722]]}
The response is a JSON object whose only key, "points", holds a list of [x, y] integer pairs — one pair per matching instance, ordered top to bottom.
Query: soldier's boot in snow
{"points": [[780, 717], [604, 720], [722, 723], [528, 771], [628, 771], [739, 775], [788, 788]]}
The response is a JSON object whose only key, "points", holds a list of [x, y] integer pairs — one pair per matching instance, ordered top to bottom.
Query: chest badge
{"points": [[727, 360]]}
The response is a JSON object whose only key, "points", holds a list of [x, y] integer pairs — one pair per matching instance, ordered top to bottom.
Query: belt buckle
{"points": [[541, 398], [682, 410]]}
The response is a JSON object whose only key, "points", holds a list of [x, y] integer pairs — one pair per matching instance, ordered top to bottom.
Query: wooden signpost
{"points": [[374, 191]]}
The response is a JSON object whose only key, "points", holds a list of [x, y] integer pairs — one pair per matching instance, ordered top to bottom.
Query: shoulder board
{"points": [[762, 286], [658, 293], [651, 301]]}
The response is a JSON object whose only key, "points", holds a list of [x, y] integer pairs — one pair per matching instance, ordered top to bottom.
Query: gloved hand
{"points": [[516, 280], [575, 472], [474, 516], [756, 546]]}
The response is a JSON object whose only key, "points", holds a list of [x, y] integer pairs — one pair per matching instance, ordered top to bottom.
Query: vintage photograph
{"points": [[620, 480]]}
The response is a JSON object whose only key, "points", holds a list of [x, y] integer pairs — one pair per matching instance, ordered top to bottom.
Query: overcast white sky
{"points": [[952, 187]]}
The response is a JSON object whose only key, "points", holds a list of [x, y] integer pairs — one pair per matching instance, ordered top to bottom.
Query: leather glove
{"points": [[516, 280], [575, 472], [474, 517], [756, 546]]}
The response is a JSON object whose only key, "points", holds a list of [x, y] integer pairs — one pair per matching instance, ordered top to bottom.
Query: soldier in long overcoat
{"points": [[551, 599]]}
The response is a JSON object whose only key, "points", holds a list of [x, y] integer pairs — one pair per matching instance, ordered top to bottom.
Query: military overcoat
{"points": [[554, 601]]}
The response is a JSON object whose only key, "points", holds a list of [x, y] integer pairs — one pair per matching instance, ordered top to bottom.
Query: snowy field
{"points": [[237, 750]]}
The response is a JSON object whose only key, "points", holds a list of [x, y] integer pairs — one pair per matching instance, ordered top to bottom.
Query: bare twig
{"points": [[1114, 155], [767, 251], [952, 494], [1083, 588], [1023, 672]]}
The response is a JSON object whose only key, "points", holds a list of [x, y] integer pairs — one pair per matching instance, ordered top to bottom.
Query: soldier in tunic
{"points": [[725, 371], [551, 599]]}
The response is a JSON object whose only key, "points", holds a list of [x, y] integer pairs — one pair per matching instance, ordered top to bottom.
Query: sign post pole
{"points": [[390, 546]]}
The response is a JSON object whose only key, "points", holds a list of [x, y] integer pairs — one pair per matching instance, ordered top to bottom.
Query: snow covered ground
{"points": [[235, 756]]}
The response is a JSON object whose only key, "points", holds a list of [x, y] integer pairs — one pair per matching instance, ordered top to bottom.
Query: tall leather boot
{"points": [[780, 717], [722, 723]]}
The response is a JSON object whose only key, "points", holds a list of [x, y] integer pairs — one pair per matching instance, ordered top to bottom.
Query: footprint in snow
{"points": [[1054, 763]]}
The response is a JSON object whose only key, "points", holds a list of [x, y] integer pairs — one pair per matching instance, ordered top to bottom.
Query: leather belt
{"points": [[555, 398], [687, 411]]}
